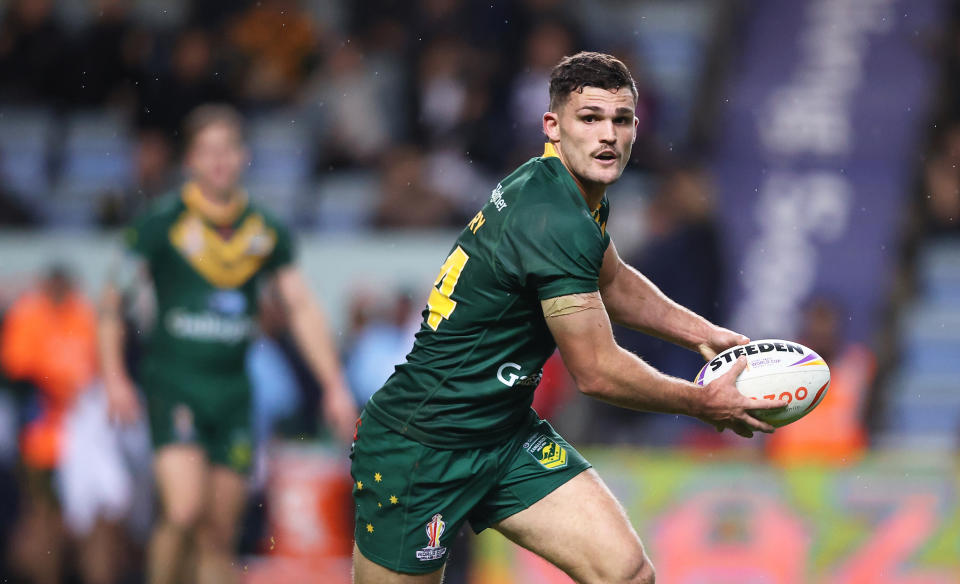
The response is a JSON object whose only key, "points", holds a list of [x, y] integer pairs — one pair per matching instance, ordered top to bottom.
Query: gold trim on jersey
{"points": [[550, 151], [218, 213], [225, 262]]}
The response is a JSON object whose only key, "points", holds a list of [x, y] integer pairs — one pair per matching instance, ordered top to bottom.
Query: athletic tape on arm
{"points": [[570, 304]]}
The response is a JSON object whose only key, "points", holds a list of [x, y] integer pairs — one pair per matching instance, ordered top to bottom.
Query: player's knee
{"points": [[182, 517], [634, 569], [641, 569]]}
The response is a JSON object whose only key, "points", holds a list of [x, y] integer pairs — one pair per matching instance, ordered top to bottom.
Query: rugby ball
{"points": [[776, 369]]}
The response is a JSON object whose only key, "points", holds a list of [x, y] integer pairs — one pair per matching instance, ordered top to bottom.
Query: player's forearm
{"points": [[633, 301], [310, 330], [110, 336], [623, 379]]}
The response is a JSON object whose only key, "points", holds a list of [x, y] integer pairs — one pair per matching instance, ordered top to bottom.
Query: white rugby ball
{"points": [[776, 369]]}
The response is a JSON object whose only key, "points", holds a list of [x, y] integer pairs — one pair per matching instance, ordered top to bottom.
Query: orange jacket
{"points": [[54, 347], [833, 433]]}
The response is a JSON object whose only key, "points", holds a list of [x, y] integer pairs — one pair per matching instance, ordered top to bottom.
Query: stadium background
{"points": [[795, 177]]}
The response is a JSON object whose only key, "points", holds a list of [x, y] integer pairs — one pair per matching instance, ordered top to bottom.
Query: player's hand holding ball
{"points": [[720, 340], [782, 380], [724, 406]]}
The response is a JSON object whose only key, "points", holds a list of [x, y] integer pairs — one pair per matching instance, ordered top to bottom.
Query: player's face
{"points": [[594, 131], [217, 157]]}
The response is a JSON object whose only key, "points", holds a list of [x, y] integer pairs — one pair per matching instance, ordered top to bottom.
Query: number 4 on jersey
{"points": [[440, 305]]}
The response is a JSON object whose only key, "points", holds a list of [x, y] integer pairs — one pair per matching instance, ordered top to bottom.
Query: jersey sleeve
{"points": [[145, 236], [283, 248], [554, 254]]}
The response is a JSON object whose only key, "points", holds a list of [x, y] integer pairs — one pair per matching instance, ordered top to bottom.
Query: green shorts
{"points": [[213, 413], [412, 499]]}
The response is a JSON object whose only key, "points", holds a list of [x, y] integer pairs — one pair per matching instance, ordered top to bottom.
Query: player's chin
{"points": [[606, 175]]}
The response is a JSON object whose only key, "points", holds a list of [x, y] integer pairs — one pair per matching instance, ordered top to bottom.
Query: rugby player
{"points": [[206, 250], [451, 436]]}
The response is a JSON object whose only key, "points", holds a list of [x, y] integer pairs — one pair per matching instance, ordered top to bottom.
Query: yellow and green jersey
{"points": [[205, 262], [477, 359]]}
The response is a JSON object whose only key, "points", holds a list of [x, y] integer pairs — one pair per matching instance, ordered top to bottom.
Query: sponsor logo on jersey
{"points": [[496, 197], [227, 302], [208, 326], [753, 349], [506, 376], [546, 451], [433, 551]]}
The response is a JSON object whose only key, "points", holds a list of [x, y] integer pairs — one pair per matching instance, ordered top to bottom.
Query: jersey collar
{"points": [[550, 151], [218, 213]]}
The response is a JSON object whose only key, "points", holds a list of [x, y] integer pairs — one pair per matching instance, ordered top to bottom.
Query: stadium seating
{"points": [[25, 137], [923, 407]]}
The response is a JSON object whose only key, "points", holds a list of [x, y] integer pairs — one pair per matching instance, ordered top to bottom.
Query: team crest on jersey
{"points": [[546, 451], [433, 551]]}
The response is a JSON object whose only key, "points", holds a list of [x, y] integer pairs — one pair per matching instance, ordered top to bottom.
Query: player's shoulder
{"points": [[542, 190], [166, 207]]}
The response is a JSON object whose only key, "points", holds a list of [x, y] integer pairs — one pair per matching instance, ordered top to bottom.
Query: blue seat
{"points": [[25, 137]]}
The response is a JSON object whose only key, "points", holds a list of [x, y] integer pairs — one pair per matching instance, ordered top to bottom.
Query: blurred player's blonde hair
{"points": [[210, 114]]}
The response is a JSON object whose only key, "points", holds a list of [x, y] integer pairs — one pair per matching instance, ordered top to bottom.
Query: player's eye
{"points": [[589, 119], [621, 121]]}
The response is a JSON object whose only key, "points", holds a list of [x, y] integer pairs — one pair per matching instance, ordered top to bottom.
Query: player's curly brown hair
{"points": [[588, 69]]}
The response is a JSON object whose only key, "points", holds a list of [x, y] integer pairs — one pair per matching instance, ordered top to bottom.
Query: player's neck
{"points": [[592, 194], [217, 196], [218, 207]]}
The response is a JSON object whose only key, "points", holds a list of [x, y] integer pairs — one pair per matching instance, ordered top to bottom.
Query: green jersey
{"points": [[205, 262], [478, 356]]}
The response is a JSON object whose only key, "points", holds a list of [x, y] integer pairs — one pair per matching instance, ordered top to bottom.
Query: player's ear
{"points": [[551, 126], [636, 126]]}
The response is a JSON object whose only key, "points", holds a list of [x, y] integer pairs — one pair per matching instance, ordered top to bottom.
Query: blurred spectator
{"points": [[277, 40], [547, 43], [32, 52], [108, 54], [186, 81], [442, 88], [348, 100], [155, 174], [942, 187], [406, 199], [12, 211], [682, 232], [48, 341], [381, 343], [834, 433], [105, 488]]}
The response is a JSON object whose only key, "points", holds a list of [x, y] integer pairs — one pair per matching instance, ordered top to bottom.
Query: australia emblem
{"points": [[433, 551]]}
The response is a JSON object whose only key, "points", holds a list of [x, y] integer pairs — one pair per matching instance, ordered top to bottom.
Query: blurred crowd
{"points": [[433, 98]]}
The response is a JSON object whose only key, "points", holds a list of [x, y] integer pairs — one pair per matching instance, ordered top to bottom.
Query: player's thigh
{"points": [[181, 473], [225, 504], [582, 529], [367, 572]]}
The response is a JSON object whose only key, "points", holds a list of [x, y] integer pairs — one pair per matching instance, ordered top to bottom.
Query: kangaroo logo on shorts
{"points": [[546, 451], [433, 551]]}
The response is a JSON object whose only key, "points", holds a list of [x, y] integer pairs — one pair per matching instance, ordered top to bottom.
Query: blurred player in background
{"points": [[206, 250], [451, 436]]}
